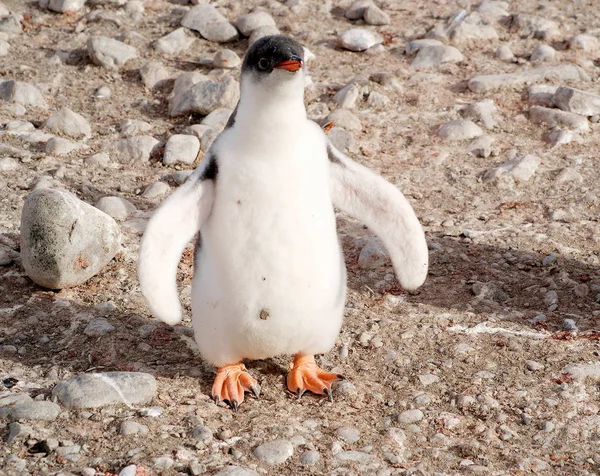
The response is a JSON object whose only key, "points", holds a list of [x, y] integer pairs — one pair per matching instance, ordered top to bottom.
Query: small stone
{"points": [[66, 6], [357, 9], [373, 15], [206, 20], [250, 22], [11, 24], [538, 27], [359, 39], [584, 42], [175, 43], [415, 45], [4, 48], [109, 53], [504, 53], [542, 53], [433, 56], [226, 59], [154, 73], [102, 92], [22, 93], [206, 96], [346, 97], [377, 100], [576, 101], [482, 111], [554, 118], [217, 119], [344, 119], [68, 123], [19, 126], [133, 127], [459, 129], [558, 137], [481, 146], [60, 147], [181, 148], [133, 149], [101, 159], [8, 164], [521, 169], [156, 190], [65, 241], [373, 255], [581, 290], [489, 291], [570, 325], [98, 327], [533, 365], [428, 379], [109, 388], [344, 388], [15, 399], [37, 410], [152, 412], [408, 417], [526, 419], [548, 426], [130, 427], [17, 431], [202, 434], [348, 434], [274, 452], [354, 457], [310, 458], [163, 464], [130, 470], [235, 471]]}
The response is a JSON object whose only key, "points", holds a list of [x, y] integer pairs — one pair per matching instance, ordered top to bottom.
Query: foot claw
{"points": [[305, 375], [231, 382], [255, 389], [234, 405]]}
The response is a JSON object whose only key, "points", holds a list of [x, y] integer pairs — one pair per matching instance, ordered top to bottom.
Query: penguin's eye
{"points": [[263, 64]]}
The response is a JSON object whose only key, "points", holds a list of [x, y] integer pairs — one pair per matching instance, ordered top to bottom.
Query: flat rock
{"points": [[66, 6], [206, 20], [250, 22], [359, 39], [175, 43], [415, 45], [109, 53], [435, 55], [226, 59], [154, 73], [497, 82], [22, 93], [206, 96], [576, 101], [555, 117], [217, 119], [344, 119], [68, 123], [459, 129], [342, 140], [181, 148], [133, 149], [521, 169], [117, 207], [65, 241], [109, 388], [15, 399], [42, 410], [348, 434], [274, 452]]}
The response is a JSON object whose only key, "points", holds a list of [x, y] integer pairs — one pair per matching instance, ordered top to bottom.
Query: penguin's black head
{"points": [[271, 53]]}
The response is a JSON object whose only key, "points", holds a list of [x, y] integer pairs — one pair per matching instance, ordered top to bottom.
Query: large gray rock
{"points": [[206, 20], [109, 53], [22, 93], [206, 96], [577, 101], [556, 117], [68, 123], [65, 241], [109, 388]]}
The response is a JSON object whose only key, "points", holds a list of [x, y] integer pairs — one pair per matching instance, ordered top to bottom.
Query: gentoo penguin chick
{"points": [[269, 275]]}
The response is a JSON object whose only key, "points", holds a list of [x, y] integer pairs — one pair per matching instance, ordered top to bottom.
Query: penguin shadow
{"points": [[490, 281]]}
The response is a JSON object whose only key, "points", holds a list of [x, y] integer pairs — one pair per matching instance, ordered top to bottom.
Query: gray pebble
{"points": [[373, 15], [206, 20], [250, 22], [359, 39], [175, 43], [109, 53], [504, 53], [542, 53], [433, 56], [226, 59], [154, 73], [21, 93], [205, 96], [576, 101], [558, 118], [217, 119], [68, 123], [133, 127], [459, 129], [342, 140], [481, 146], [60, 147], [181, 148], [133, 149], [101, 159], [8, 164], [521, 169], [156, 190], [117, 207], [373, 255], [570, 325], [98, 327], [533, 365], [36, 410], [410, 416], [129, 427], [17, 431], [202, 434], [348, 434], [274, 452], [310, 458], [128, 470]]}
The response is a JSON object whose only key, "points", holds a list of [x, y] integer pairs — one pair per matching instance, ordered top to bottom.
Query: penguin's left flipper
{"points": [[368, 197], [167, 234]]}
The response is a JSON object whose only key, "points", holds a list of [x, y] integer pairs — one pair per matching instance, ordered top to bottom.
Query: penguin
{"points": [[269, 273]]}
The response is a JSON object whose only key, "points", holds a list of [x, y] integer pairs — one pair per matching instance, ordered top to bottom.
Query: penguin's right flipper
{"points": [[377, 203], [168, 232]]}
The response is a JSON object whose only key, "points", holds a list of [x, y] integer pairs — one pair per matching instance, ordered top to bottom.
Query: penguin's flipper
{"points": [[368, 197], [168, 232]]}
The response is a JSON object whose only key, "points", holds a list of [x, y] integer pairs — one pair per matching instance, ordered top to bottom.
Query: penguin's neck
{"points": [[278, 112]]}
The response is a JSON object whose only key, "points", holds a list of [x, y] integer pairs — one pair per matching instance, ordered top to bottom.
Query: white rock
{"points": [[66, 6], [357, 9], [493, 10], [373, 15], [206, 20], [250, 22], [11, 24], [538, 27], [471, 28], [359, 39], [584, 42], [175, 43], [415, 45], [4, 47], [109, 53], [504, 53], [542, 53], [433, 56], [226, 59], [153, 74], [185, 81], [495, 82], [103, 92], [21, 93], [541, 95], [206, 96], [347, 96], [377, 100], [576, 101], [482, 111], [554, 117], [218, 118], [68, 123], [19, 126], [134, 127], [459, 129], [197, 130], [558, 137], [481, 146], [59, 147], [181, 148], [133, 149], [101, 159], [8, 164], [521, 169], [156, 190], [117, 207], [65, 241], [408, 417], [130, 427], [348, 434], [274, 452], [128, 470]]}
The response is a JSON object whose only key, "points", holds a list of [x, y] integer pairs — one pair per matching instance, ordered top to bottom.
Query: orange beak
{"points": [[291, 65]]}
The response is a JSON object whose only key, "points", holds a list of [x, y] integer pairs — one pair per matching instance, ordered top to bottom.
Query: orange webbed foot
{"points": [[305, 375], [231, 382]]}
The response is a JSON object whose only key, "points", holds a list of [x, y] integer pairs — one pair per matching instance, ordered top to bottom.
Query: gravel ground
{"points": [[491, 367]]}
